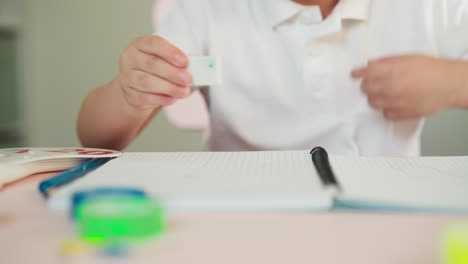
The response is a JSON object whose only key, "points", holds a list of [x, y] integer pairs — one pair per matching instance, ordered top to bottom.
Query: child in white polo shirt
{"points": [[354, 76]]}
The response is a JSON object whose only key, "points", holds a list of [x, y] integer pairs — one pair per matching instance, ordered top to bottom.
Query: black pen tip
{"points": [[317, 149]]}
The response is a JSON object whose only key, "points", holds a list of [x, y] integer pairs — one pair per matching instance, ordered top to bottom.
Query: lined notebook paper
{"points": [[213, 180], [424, 182]]}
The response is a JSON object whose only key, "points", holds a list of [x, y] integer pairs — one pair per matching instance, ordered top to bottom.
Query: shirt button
{"points": [[310, 16]]}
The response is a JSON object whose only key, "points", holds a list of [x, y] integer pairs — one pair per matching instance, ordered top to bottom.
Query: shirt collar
{"points": [[355, 9], [284, 11]]}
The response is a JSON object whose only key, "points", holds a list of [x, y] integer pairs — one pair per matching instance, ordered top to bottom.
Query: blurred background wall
{"points": [[53, 52], [10, 125]]}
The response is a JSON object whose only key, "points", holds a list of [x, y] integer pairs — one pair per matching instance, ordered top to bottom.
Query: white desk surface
{"points": [[31, 234]]}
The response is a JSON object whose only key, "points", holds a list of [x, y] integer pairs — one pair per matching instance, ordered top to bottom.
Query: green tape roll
{"points": [[120, 219], [456, 244]]}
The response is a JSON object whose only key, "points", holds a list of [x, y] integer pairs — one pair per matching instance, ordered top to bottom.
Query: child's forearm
{"points": [[461, 74], [106, 120]]}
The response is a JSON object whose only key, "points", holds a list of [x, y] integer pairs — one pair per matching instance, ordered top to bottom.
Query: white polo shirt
{"points": [[287, 81]]}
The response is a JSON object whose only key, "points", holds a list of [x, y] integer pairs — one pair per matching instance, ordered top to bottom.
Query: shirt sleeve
{"points": [[182, 23], [451, 27]]}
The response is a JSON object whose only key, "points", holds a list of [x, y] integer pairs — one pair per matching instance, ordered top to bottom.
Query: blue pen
{"points": [[48, 186]]}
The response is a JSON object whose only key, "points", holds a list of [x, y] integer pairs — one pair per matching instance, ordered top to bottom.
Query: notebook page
{"points": [[272, 177], [429, 182]]}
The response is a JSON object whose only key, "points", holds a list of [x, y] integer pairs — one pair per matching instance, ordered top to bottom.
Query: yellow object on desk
{"points": [[456, 244], [70, 247]]}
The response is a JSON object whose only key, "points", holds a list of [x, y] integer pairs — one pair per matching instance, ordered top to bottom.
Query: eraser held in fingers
{"points": [[205, 70]]}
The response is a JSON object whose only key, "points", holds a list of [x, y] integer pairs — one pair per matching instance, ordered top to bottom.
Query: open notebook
{"points": [[281, 181]]}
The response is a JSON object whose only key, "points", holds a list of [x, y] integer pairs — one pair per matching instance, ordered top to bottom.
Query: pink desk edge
{"points": [[29, 233]]}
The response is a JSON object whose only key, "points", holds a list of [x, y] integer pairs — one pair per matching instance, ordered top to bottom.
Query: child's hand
{"points": [[152, 73], [408, 87]]}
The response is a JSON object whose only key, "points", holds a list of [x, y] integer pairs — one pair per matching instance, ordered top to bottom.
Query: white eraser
{"points": [[205, 70]]}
